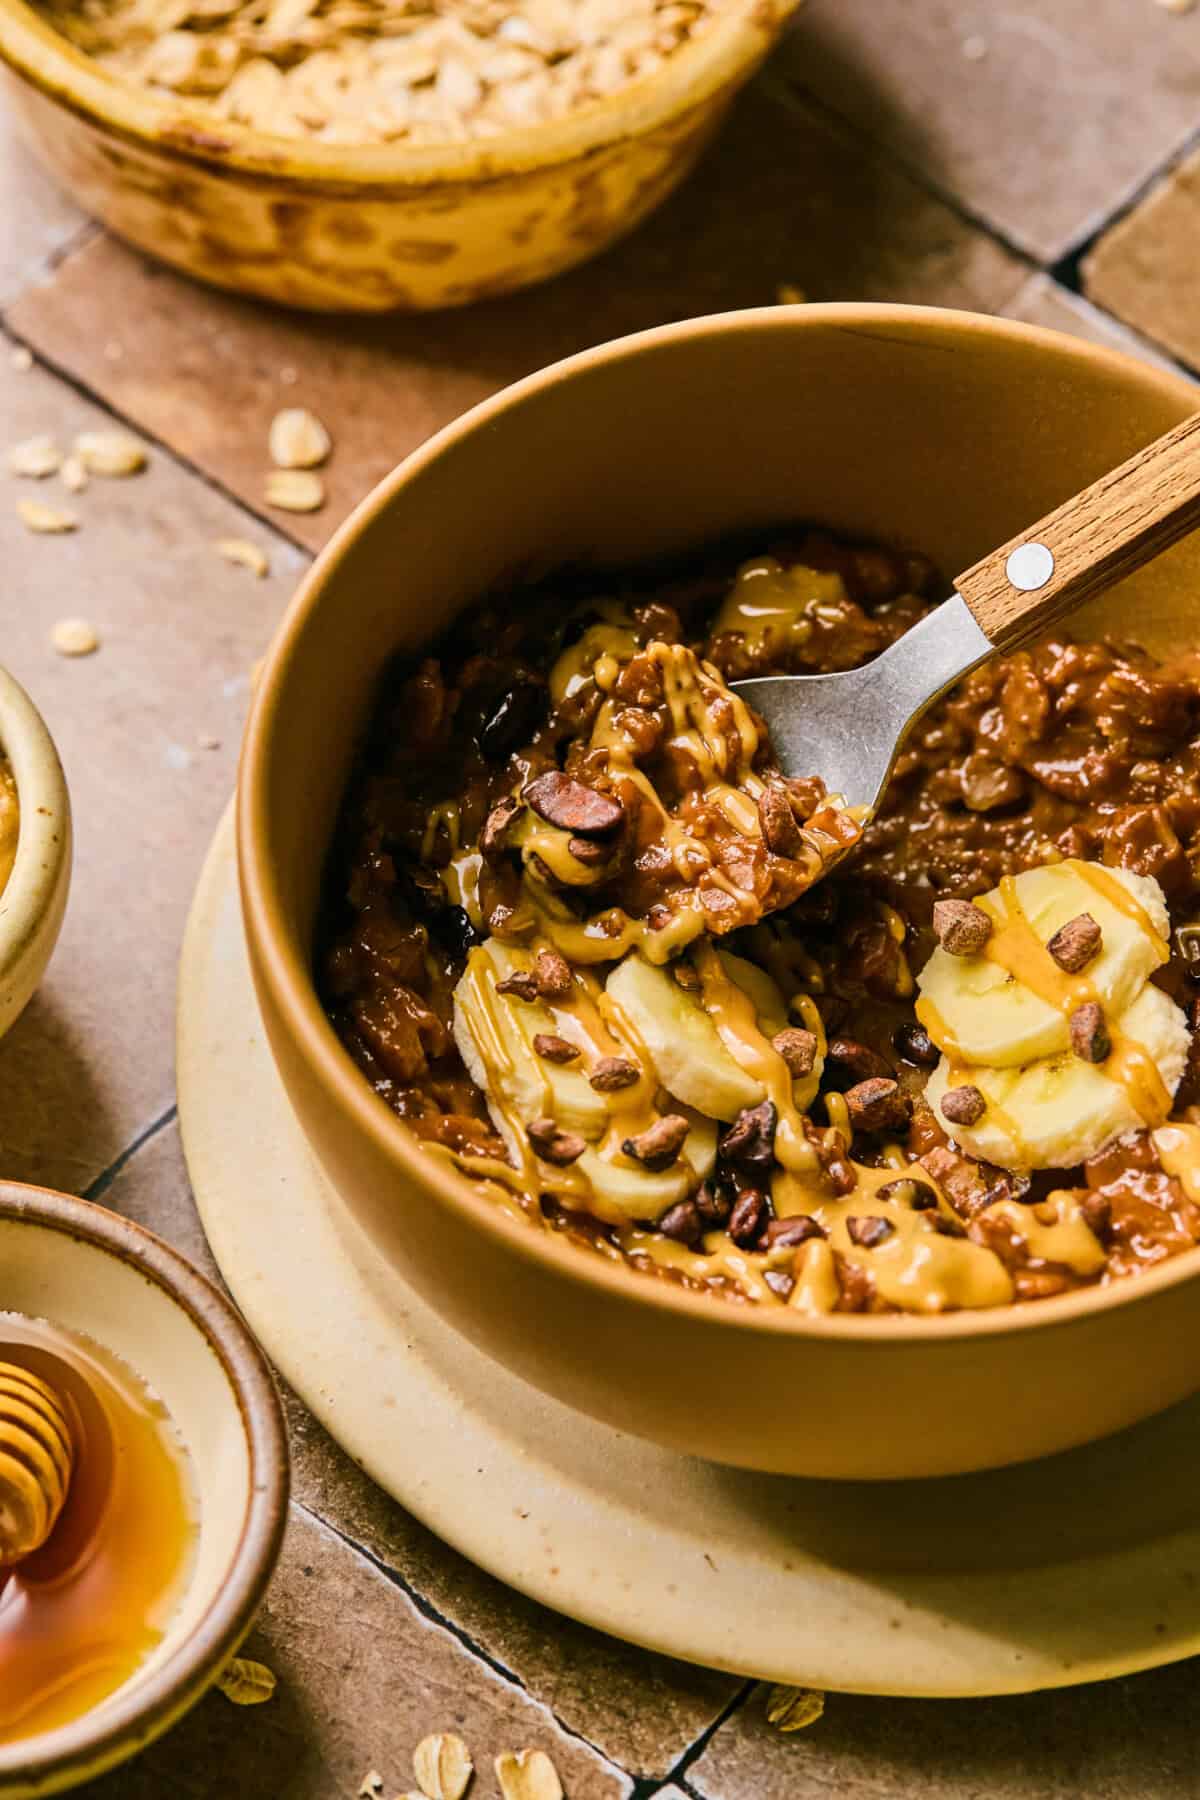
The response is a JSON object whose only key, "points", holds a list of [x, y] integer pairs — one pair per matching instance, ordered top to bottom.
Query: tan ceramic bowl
{"points": [[338, 228], [935, 429], [34, 898], [83, 1267]]}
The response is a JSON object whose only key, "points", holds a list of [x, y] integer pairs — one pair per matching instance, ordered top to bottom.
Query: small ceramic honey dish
{"points": [[143, 1488]]}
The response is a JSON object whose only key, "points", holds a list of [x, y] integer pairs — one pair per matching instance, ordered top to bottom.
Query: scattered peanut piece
{"points": [[21, 359], [298, 440], [112, 453], [35, 457], [73, 474], [295, 490], [45, 519], [245, 554], [74, 637], [206, 741], [960, 928], [1078, 941], [1089, 1034], [798, 1049], [612, 1073], [963, 1105], [554, 1145], [659, 1145], [246, 1683], [794, 1708], [443, 1767], [527, 1775], [370, 1785]]}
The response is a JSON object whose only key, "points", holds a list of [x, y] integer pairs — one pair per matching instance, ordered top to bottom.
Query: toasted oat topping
{"points": [[382, 71], [295, 490], [74, 637], [246, 1683]]}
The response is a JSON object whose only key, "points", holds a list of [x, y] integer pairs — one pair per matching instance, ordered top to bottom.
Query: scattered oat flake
{"points": [[788, 295], [21, 359], [298, 440], [109, 453], [36, 457], [73, 474], [295, 490], [36, 517], [245, 554], [74, 637], [206, 741], [246, 1683], [792, 1708], [443, 1767], [527, 1775], [371, 1783]]}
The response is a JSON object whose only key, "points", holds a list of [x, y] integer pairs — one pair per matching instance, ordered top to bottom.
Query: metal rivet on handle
{"points": [[1029, 567]]}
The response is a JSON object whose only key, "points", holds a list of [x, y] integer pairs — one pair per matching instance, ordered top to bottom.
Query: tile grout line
{"points": [[796, 94], [1063, 268], [1066, 269], [93, 398], [106, 1177], [435, 1616], [695, 1750]]}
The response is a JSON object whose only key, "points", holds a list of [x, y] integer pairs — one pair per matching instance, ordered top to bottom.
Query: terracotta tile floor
{"points": [[1034, 162]]}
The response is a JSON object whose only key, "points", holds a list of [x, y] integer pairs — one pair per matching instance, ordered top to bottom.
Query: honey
{"points": [[83, 1613]]}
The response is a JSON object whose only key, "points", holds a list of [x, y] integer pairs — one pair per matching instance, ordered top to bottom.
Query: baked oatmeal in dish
{"points": [[588, 942]]}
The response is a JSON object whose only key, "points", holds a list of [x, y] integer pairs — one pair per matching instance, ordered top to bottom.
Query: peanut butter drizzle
{"points": [[768, 602], [445, 813], [461, 878], [1121, 900], [1015, 947], [733, 1013], [590, 1019], [1178, 1148], [1064, 1237], [917, 1268]]}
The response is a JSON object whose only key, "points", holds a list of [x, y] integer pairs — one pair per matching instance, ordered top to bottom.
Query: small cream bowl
{"points": [[34, 898], [91, 1271]]}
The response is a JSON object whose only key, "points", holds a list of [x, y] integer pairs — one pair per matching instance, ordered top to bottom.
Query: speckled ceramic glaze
{"points": [[336, 228], [936, 429], [35, 896], [84, 1268]]}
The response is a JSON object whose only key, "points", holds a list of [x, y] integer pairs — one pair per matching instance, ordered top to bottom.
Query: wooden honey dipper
{"points": [[37, 1455]]}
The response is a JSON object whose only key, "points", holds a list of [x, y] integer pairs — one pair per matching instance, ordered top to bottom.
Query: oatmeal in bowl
{"points": [[588, 941], [803, 1262]]}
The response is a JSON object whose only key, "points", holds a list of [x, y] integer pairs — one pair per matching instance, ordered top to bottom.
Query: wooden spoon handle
{"points": [[1084, 546]]}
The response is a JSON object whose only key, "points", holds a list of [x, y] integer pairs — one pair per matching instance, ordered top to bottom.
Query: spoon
{"points": [[848, 728]]}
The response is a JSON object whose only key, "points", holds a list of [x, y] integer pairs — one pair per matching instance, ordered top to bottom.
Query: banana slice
{"points": [[768, 1001], [973, 1006], [494, 1033], [681, 1040], [1060, 1110], [622, 1190]]}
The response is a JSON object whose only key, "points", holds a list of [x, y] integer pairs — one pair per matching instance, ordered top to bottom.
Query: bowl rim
{"points": [[738, 35], [44, 838], [285, 973], [127, 1722]]}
